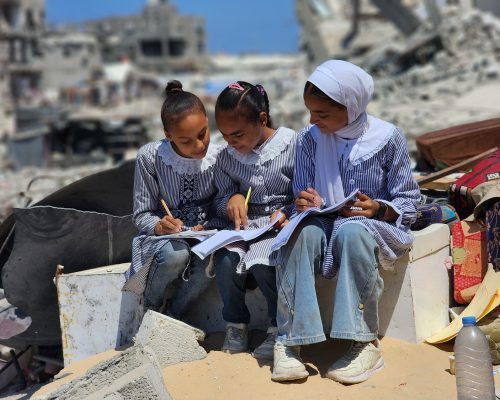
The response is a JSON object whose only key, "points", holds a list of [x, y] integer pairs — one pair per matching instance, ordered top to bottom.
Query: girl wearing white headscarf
{"points": [[344, 149]]}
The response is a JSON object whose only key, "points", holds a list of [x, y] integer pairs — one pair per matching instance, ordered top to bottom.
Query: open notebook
{"points": [[188, 234], [285, 234], [225, 237]]}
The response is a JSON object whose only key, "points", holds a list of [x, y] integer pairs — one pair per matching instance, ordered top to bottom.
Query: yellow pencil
{"points": [[248, 196], [166, 208]]}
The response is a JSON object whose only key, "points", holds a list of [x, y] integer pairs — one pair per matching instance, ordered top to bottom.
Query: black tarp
{"points": [[84, 225]]}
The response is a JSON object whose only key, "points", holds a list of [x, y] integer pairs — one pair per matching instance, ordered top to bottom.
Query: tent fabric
{"points": [[46, 236]]}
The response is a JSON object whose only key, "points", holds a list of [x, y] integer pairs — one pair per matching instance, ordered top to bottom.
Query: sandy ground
{"points": [[413, 371]]}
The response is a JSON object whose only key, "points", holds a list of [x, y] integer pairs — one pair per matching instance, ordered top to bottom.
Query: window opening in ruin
{"points": [[11, 13], [30, 20], [176, 47], [151, 48]]}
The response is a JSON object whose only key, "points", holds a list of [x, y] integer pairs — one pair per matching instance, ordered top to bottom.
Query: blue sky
{"points": [[233, 26]]}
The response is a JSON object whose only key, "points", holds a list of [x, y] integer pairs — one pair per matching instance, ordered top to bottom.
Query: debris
{"points": [[173, 341], [133, 374]]}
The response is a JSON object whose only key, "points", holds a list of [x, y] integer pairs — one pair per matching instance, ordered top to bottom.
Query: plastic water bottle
{"points": [[473, 363]]}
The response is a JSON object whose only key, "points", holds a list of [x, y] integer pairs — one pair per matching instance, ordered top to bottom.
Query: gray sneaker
{"points": [[236, 340], [265, 351], [287, 363]]}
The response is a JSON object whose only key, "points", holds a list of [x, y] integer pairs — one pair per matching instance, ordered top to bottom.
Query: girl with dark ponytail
{"points": [[173, 191]]}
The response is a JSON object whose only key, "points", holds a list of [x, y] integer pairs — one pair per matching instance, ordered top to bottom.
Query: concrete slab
{"points": [[172, 341], [102, 375]]}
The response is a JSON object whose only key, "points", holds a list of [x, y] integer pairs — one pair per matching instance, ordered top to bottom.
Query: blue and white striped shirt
{"points": [[269, 171], [385, 176], [186, 185]]}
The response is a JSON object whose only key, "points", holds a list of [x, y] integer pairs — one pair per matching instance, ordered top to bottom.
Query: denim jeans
{"points": [[166, 274], [232, 286], [358, 289]]}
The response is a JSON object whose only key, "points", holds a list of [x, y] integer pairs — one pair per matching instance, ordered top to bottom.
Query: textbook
{"points": [[284, 235], [224, 237]]}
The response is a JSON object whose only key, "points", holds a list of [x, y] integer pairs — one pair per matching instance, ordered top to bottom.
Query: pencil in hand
{"points": [[248, 197], [166, 208]]}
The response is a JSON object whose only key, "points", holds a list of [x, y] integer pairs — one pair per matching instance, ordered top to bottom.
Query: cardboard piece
{"points": [[487, 298]]}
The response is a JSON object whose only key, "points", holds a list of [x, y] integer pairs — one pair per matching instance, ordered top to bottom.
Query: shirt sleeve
{"points": [[303, 176], [226, 186], [404, 190], [146, 192]]}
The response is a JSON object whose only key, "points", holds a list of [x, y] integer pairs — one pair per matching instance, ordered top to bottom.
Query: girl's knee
{"points": [[355, 234], [173, 254], [225, 260], [263, 273]]}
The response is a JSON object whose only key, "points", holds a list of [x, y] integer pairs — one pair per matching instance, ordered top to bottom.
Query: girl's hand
{"points": [[307, 199], [366, 207], [236, 211], [282, 221], [168, 225], [198, 228]]}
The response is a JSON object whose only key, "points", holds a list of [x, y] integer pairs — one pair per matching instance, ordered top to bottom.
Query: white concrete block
{"points": [[417, 293], [413, 306], [95, 314]]}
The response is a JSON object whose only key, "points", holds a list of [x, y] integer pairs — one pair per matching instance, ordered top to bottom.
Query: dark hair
{"points": [[313, 90], [243, 97], [178, 103]]}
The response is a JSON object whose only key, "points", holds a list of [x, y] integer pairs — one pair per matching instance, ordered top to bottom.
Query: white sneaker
{"points": [[236, 340], [265, 351], [360, 362], [287, 363]]}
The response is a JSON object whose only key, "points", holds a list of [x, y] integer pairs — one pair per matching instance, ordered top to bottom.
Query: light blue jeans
{"points": [[168, 273], [359, 285]]}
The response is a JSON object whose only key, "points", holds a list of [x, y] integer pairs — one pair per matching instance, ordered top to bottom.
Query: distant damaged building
{"points": [[21, 28], [157, 39], [70, 58]]}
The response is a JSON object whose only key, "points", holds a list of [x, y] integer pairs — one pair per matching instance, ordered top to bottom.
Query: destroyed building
{"points": [[327, 26], [21, 27], [157, 39], [69, 59]]}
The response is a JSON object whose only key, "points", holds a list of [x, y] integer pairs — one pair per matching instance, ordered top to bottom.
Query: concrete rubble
{"points": [[460, 83], [29, 185], [173, 341], [140, 366], [136, 373]]}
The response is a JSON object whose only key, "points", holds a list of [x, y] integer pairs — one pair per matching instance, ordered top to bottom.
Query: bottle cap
{"points": [[469, 320]]}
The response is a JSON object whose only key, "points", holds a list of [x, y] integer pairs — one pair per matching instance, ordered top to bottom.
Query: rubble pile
{"points": [[427, 97], [30, 185]]}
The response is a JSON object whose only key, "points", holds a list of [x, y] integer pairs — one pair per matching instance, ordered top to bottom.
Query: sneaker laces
{"points": [[236, 334], [270, 339], [355, 350], [286, 351]]}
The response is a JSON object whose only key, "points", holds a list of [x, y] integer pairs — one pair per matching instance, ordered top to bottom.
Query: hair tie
{"points": [[236, 86], [261, 90]]}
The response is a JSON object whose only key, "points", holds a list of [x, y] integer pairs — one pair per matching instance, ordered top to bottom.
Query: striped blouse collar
{"points": [[268, 150], [183, 165]]}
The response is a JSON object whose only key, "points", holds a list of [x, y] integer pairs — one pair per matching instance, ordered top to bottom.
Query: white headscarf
{"points": [[352, 87]]}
